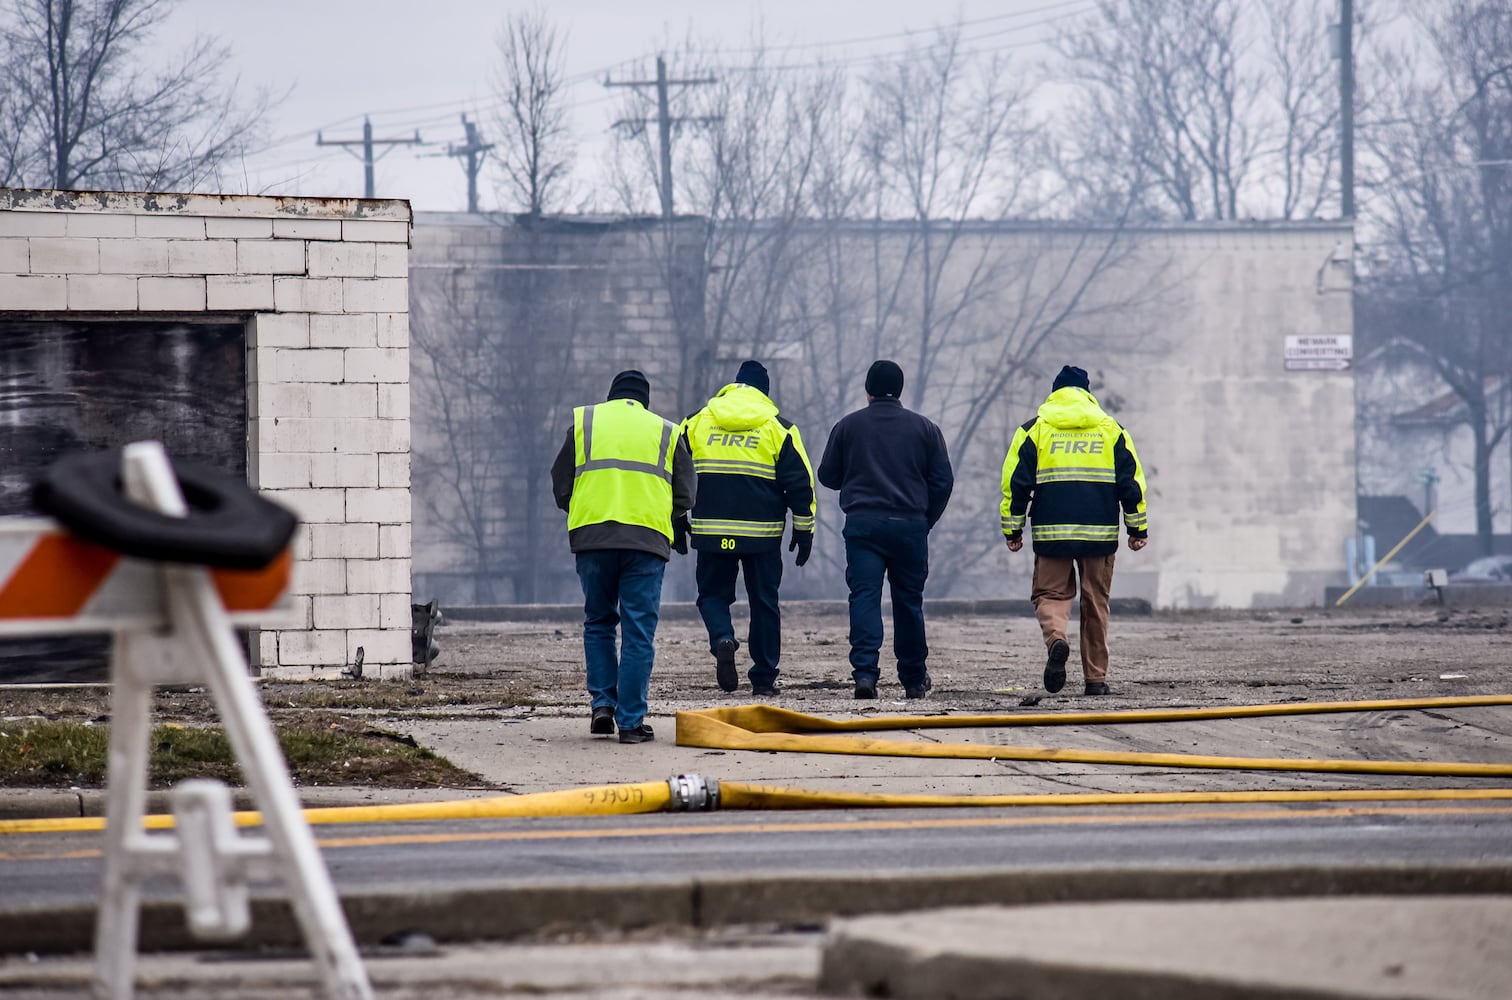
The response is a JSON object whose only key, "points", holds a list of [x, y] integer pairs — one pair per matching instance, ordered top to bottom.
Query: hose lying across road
{"points": [[764, 728]]}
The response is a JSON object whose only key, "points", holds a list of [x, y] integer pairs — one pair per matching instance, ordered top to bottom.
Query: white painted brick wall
{"points": [[33, 224], [97, 225], [171, 227], [239, 229], [307, 229], [375, 231], [15, 256], [64, 256], [137, 256], [202, 257], [272, 257], [341, 260], [34, 291], [102, 292], [240, 292], [171, 294], [309, 295], [385, 295], [326, 301], [270, 330], [343, 330], [393, 330], [380, 365], [394, 401], [394, 471], [385, 506], [344, 541], [394, 541], [354, 610], [394, 611], [316, 647], [379, 649]]}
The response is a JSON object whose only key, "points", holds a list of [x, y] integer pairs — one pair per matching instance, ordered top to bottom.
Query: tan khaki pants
{"points": [[1055, 588]]}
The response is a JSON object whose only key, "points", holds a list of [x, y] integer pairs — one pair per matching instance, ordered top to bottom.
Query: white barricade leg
{"points": [[202, 641], [125, 805]]}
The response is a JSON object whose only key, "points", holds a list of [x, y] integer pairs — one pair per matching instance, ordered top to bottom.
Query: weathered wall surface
{"points": [[321, 288], [515, 324], [1251, 467]]}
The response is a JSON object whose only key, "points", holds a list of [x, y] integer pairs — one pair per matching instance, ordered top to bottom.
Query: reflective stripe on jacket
{"points": [[622, 467], [752, 470], [1069, 472]]}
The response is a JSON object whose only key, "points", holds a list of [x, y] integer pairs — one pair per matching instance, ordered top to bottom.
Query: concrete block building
{"points": [[267, 335]]}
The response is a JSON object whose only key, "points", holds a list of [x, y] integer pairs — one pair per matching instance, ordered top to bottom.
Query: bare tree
{"points": [[1301, 89], [1165, 108], [83, 110], [536, 146], [1440, 208]]}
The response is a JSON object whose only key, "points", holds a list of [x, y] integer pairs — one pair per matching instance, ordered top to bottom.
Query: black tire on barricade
{"points": [[229, 524]]}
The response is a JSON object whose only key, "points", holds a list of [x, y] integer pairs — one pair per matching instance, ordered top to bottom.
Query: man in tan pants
{"points": [[1078, 469]]}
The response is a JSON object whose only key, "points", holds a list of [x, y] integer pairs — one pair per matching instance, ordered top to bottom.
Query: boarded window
{"points": [[90, 385]]}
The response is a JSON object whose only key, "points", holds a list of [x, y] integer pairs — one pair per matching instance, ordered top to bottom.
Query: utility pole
{"points": [[1345, 54], [664, 120], [367, 142], [473, 151]]}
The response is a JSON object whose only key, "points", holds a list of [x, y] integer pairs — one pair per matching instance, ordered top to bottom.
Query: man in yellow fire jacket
{"points": [[752, 470], [1069, 471]]}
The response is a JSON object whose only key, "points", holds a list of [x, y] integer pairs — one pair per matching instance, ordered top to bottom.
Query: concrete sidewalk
{"points": [[1432, 948]]}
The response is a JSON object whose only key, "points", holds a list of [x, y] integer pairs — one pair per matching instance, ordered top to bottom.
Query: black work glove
{"points": [[680, 531], [803, 541]]}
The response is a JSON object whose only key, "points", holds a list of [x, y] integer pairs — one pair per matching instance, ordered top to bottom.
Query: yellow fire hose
{"points": [[761, 727]]}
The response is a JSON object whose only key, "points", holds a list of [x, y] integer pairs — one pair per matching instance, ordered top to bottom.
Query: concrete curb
{"points": [[684, 611], [72, 803], [505, 912]]}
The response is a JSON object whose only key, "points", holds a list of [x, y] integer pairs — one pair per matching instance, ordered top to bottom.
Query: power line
{"points": [[664, 119], [367, 142]]}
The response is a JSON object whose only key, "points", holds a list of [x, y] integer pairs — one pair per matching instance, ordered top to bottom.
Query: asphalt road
{"points": [[47, 870]]}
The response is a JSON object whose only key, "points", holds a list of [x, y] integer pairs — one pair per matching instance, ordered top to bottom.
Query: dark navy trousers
{"points": [[897, 546], [716, 573]]}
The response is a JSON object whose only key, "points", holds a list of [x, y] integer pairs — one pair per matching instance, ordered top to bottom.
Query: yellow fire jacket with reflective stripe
{"points": [[622, 467], [752, 469], [1069, 472]]}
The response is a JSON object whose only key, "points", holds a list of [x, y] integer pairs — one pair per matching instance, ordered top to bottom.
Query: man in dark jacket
{"points": [[752, 470], [1069, 470], [893, 473], [623, 476]]}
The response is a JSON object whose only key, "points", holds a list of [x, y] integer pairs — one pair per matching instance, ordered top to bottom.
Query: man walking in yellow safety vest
{"points": [[752, 470], [1069, 470], [623, 476]]}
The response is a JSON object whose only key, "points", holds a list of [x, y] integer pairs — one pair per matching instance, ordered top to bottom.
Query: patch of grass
{"points": [[435, 691], [322, 750]]}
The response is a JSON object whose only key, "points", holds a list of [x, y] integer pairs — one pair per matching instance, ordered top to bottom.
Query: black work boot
{"points": [[724, 664], [1055, 665], [1097, 687], [866, 689], [920, 690], [602, 723], [640, 734]]}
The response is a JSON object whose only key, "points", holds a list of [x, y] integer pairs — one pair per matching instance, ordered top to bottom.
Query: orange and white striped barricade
{"points": [[174, 623]]}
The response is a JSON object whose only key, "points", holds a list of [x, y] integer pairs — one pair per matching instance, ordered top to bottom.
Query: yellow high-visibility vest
{"points": [[623, 457]]}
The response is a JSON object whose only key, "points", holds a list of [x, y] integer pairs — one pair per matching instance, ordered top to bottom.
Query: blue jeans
{"points": [[898, 546], [716, 574], [621, 587]]}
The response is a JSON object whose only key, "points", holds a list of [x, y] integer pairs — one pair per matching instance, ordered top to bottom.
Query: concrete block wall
{"points": [[323, 287]]}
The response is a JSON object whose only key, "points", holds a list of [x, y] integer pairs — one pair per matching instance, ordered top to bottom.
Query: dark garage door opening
{"points": [[93, 384]]}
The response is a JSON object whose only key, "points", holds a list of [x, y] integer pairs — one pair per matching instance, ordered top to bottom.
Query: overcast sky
{"points": [[419, 65]]}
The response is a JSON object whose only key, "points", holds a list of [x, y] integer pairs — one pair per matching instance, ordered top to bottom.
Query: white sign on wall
{"points": [[1331, 352]]}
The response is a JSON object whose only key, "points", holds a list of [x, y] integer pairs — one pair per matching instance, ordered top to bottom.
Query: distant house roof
{"points": [[1390, 518]]}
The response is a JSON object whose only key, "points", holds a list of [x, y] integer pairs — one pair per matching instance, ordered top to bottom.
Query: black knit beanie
{"points": [[754, 374], [1071, 376], [884, 378], [631, 384]]}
